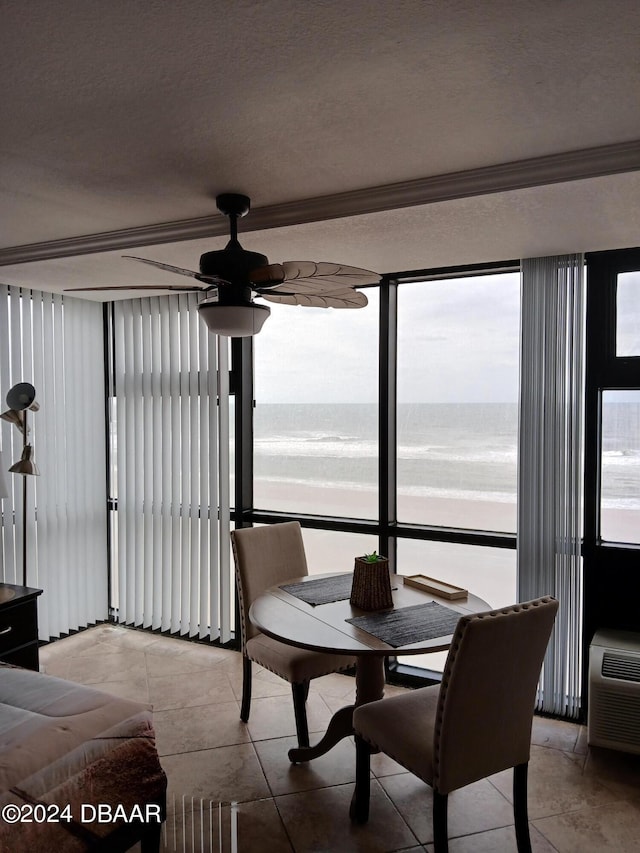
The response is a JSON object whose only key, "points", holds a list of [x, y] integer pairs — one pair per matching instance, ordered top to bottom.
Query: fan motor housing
{"points": [[232, 264]]}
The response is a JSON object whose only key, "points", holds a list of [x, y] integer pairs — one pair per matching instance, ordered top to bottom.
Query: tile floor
{"points": [[580, 799]]}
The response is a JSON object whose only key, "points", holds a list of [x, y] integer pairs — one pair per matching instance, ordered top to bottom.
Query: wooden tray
{"points": [[440, 588]]}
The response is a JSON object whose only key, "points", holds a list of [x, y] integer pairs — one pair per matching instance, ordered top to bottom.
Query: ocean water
{"points": [[444, 450], [454, 451], [621, 454]]}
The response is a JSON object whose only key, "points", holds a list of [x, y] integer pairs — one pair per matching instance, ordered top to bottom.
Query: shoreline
{"points": [[618, 524]]}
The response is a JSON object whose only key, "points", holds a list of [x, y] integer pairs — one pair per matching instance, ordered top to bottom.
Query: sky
{"points": [[458, 343]]}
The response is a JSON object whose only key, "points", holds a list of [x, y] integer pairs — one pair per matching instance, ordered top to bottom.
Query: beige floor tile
{"points": [[123, 637], [126, 637], [79, 645], [186, 646], [166, 662], [124, 665], [57, 666], [263, 683], [336, 685], [205, 687], [135, 689], [394, 690], [335, 703], [273, 717], [200, 727], [557, 734], [582, 745], [382, 765], [335, 768], [618, 771], [221, 775], [556, 784], [473, 809], [319, 821], [614, 827], [496, 841]]}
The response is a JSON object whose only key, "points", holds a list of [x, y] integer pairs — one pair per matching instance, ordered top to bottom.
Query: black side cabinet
{"points": [[19, 625]]}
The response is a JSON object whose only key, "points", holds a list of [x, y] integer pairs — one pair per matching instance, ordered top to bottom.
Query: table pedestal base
{"points": [[369, 687]]}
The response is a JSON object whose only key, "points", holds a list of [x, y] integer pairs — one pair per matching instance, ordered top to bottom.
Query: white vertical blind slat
{"points": [[55, 342], [17, 370], [165, 432], [147, 438], [155, 438], [550, 463], [129, 464], [185, 468], [176, 474], [138, 478], [195, 496], [224, 523], [171, 536], [7, 550]]}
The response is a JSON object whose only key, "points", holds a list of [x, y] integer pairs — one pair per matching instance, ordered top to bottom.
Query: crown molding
{"points": [[537, 171]]}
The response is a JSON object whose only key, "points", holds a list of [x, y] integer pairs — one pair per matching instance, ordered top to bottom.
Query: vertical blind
{"points": [[56, 344], [550, 464], [171, 544]]}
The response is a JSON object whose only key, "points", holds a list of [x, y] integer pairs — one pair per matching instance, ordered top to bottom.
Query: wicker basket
{"points": [[371, 587]]}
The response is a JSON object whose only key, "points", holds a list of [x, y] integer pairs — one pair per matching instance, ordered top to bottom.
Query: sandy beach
{"points": [[363, 503], [618, 525], [489, 572]]}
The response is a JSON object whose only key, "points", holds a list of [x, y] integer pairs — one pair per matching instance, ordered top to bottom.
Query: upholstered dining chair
{"points": [[264, 557], [475, 723]]}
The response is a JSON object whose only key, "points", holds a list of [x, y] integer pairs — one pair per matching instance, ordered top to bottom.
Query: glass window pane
{"points": [[628, 314], [457, 391], [316, 416], [620, 482], [333, 551], [489, 573]]}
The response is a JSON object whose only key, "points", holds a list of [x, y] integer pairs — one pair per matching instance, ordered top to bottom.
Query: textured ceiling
{"points": [[124, 115]]}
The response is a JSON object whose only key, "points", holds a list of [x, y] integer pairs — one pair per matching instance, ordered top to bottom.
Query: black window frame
{"points": [[387, 528], [609, 567]]}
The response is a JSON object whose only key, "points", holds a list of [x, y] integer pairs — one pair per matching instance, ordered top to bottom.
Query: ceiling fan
{"points": [[231, 276]]}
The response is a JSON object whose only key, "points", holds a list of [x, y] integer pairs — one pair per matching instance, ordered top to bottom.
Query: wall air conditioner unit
{"points": [[614, 691]]}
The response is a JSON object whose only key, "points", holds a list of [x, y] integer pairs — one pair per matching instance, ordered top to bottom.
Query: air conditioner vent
{"points": [[624, 667], [614, 691]]}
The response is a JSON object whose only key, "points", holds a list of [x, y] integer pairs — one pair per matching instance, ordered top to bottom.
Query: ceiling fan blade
{"points": [[161, 266], [337, 274], [205, 279], [307, 287], [181, 288], [346, 298]]}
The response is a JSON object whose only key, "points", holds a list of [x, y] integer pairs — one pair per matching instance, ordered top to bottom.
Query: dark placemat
{"points": [[322, 590], [409, 624]]}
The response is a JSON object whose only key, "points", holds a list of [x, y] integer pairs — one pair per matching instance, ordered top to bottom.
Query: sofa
{"points": [[79, 769]]}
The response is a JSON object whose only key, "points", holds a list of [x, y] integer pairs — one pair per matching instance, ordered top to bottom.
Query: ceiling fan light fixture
{"points": [[234, 321]]}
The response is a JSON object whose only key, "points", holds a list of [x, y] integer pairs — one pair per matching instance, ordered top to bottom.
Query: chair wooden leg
{"points": [[246, 689], [300, 692], [359, 809], [520, 809], [440, 828]]}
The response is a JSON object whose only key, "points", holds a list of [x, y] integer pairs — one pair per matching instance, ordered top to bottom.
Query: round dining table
{"points": [[323, 628]]}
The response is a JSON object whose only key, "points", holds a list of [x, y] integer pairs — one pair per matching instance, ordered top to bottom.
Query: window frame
{"points": [[387, 528], [609, 567]]}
